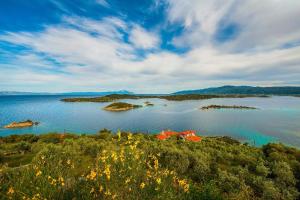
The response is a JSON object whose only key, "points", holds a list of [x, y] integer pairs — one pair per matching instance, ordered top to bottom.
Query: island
{"points": [[173, 97], [148, 103], [120, 106], [226, 107], [23, 124]]}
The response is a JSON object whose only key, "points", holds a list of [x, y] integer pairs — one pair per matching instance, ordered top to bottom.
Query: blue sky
{"points": [[147, 46]]}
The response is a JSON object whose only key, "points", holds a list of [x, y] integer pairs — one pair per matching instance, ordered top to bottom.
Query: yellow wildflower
{"points": [[119, 135], [129, 137], [132, 147], [114, 156], [68, 161], [155, 164], [149, 165], [107, 172], [166, 172], [38, 173], [148, 174], [92, 175], [51, 180], [61, 180], [127, 180], [158, 181], [182, 183], [142, 185], [186, 187], [100, 188], [92, 190], [10, 191], [107, 193], [36, 197]]}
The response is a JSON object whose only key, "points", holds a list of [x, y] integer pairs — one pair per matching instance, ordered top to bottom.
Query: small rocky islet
{"points": [[148, 103], [120, 106], [209, 107], [22, 124]]}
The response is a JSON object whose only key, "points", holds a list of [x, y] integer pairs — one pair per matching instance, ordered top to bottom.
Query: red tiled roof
{"points": [[187, 132], [169, 133], [161, 137], [194, 138]]}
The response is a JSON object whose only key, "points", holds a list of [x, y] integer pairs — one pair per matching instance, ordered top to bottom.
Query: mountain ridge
{"points": [[229, 89], [15, 93]]}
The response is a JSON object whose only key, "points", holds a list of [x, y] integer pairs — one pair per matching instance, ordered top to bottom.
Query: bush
{"points": [[22, 146], [137, 166]]}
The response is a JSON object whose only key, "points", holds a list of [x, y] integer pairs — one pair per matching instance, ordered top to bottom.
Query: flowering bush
{"points": [[125, 172]]}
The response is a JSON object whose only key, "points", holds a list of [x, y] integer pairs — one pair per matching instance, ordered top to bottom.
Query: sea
{"points": [[277, 118]]}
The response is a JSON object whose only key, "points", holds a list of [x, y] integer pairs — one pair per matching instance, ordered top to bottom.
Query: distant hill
{"points": [[228, 89], [7, 93], [97, 93]]}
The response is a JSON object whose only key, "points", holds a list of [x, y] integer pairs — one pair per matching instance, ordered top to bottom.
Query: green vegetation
{"points": [[229, 89], [116, 97], [120, 106], [226, 107], [137, 166]]}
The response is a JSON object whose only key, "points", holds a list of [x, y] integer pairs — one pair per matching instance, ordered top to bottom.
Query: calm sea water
{"points": [[276, 120]]}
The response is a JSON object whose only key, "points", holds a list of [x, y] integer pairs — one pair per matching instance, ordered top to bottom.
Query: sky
{"points": [[147, 46]]}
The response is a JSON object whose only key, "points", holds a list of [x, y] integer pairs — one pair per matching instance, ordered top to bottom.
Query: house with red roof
{"points": [[166, 134], [189, 135]]}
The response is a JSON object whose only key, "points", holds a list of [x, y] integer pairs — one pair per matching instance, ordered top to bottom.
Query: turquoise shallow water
{"points": [[277, 119]]}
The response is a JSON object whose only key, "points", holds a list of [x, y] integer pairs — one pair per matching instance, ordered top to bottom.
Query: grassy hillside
{"points": [[137, 166]]}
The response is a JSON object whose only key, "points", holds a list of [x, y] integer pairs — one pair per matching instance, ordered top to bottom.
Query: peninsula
{"points": [[173, 97]]}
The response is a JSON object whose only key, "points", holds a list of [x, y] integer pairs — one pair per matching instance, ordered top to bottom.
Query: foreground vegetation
{"points": [[116, 97], [137, 166]]}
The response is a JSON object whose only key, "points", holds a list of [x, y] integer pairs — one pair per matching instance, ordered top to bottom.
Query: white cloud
{"points": [[103, 3], [199, 17], [263, 24], [143, 39], [95, 55]]}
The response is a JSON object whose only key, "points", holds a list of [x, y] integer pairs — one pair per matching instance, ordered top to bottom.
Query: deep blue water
{"points": [[276, 120]]}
